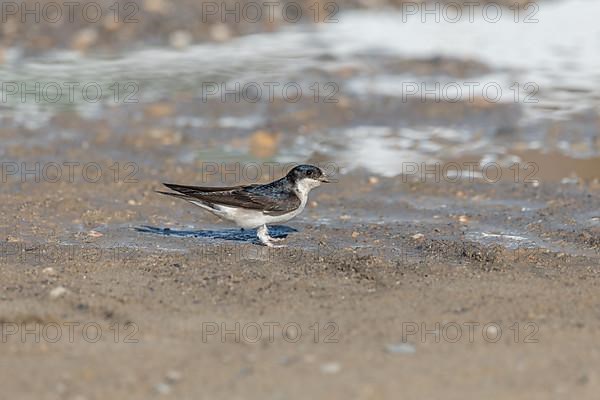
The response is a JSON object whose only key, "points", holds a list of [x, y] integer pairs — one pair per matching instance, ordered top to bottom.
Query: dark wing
{"points": [[190, 190], [266, 198]]}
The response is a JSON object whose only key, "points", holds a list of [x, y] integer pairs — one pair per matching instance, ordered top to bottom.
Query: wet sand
{"points": [[503, 277]]}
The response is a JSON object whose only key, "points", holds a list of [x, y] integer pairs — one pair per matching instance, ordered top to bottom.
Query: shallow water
{"points": [[516, 65]]}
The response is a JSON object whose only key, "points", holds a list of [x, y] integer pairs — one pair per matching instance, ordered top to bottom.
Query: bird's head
{"points": [[307, 176]]}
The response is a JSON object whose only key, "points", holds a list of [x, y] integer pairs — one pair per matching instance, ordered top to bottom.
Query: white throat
{"points": [[304, 186]]}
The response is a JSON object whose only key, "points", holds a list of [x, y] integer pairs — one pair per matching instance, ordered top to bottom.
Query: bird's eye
{"points": [[309, 173]]}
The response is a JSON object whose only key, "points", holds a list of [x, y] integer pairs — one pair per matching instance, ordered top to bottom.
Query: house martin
{"points": [[255, 206]]}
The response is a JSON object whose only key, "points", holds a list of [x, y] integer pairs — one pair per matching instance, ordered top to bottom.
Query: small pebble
{"points": [[155, 6], [220, 32], [84, 39], [180, 39], [159, 110], [264, 144], [373, 180], [569, 180], [345, 217], [463, 219], [95, 234], [355, 234], [418, 236], [49, 271], [58, 292], [491, 331], [292, 333], [401, 348], [309, 358], [288, 360], [331, 368], [173, 376], [162, 388]]}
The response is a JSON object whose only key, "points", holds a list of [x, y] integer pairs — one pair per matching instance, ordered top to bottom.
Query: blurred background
{"points": [[366, 84]]}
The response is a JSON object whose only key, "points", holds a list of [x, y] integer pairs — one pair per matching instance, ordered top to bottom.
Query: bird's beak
{"points": [[325, 179]]}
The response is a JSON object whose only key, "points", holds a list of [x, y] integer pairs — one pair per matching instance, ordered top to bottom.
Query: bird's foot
{"points": [[265, 239], [273, 245]]}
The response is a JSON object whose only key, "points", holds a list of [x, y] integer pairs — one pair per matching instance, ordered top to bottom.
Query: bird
{"points": [[255, 206]]}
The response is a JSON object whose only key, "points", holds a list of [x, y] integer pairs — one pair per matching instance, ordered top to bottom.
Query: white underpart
{"points": [[249, 219]]}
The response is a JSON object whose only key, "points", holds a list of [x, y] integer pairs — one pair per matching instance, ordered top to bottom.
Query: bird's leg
{"points": [[263, 236]]}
